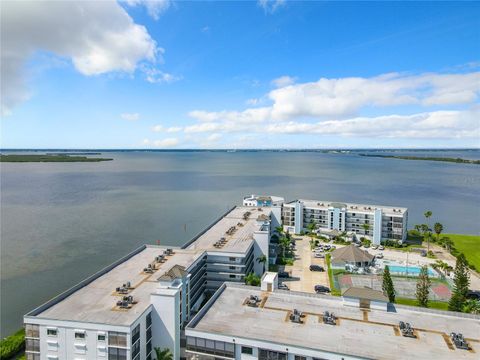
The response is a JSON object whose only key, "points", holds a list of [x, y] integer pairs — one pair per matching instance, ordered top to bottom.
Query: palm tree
{"points": [[427, 215], [311, 227], [438, 228], [279, 230], [284, 243], [447, 243], [262, 259], [472, 306], [163, 354]]}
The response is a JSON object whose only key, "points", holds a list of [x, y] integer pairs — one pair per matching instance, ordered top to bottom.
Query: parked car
{"points": [[358, 244], [366, 246], [375, 247], [381, 247], [423, 253], [319, 255], [379, 256], [316, 268], [283, 274], [283, 287], [321, 289], [473, 294]]}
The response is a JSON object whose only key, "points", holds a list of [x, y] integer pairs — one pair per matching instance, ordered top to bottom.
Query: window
{"points": [[232, 259], [232, 267], [232, 276], [149, 320], [32, 331], [51, 332], [136, 334], [79, 335], [101, 337], [117, 339], [32, 345], [207, 346], [247, 350], [117, 354], [271, 355], [31, 356], [298, 357]]}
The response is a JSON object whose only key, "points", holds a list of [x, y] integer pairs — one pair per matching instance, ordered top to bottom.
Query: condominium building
{"points": [[375, 222], [145, 299], [245, 323]]}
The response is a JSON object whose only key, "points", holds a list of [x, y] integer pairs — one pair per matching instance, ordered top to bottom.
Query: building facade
{"points": [[377, 223]]}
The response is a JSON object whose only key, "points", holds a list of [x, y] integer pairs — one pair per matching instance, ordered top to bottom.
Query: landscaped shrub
{"points": [[12, 344]]}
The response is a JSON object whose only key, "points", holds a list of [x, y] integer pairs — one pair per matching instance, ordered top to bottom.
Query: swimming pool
{"points": [[410, 270]]}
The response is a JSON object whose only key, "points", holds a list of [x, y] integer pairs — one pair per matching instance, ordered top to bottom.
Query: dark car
{"points": [[316, 268], [283, 274], [283, 287], [321, 289], [473, 294]]}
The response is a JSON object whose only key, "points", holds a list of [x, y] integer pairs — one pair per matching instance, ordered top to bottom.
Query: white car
{"points": [[381, 247], [319, 255], [379, 256]]}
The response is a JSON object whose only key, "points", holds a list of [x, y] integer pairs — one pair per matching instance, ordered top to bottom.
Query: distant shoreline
{"points": [[48, 158], [425, 158]]}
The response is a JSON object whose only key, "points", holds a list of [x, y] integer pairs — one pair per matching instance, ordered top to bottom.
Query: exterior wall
{"points": [[296, 218], [377, 227], [262, 242], [351, 302], [379, 305], [166, 320], [65, 346], [290, 351]]}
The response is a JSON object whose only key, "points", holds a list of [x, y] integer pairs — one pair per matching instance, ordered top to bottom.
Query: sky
{"points": [[250, 74]]}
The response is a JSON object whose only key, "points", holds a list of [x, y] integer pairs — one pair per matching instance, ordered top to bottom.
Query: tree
{"points": [[311, 227], [366, 228], [438, 228], [279, 230], [427, 230], [285, 243], [312, 243], [447, 243], [262, 259], [252, 279], [461, 281], [387, 285], [423, 287], [472, 306], [163, 354]]}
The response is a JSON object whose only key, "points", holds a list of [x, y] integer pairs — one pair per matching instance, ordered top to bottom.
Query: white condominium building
{"points": [[375, 222], [145, 299], [246, 323]]}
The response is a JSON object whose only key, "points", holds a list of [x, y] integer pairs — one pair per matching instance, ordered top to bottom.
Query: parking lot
{"points": [[302, 279]]}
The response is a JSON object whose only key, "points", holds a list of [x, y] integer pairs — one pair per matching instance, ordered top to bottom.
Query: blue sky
{"points": [[272, 74]]}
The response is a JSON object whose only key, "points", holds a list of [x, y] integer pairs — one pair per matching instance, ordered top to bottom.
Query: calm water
{"points": [[60, 222]]}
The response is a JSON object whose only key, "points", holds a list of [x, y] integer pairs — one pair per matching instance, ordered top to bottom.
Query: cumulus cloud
{"points": [[270, 6], [155, 8], [98, 37], [283, 81], [329, 99], [130, 116], [437, 124], [157, 128], [174, 129]]}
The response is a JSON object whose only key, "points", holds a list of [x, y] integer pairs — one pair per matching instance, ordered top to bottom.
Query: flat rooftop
{"points": [[324, 205], [240, 240], [96, 301], [369, 334]]}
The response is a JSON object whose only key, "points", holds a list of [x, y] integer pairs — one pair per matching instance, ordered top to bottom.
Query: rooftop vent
{"points": [[246, 215], [239, 224], [231, 230], [169, 252], [160, 258], [149, 269], [124, 288], [253, 301], [126, 302], [296, 316], [329, 318], [406, 329], [459, 341]]}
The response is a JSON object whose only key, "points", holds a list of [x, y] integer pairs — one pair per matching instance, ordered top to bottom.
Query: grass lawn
{"points": [[469, 245], [333, 289], [439, 305]]}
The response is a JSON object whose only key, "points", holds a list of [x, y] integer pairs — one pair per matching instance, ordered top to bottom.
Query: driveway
{"points": [[302, 279]]}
